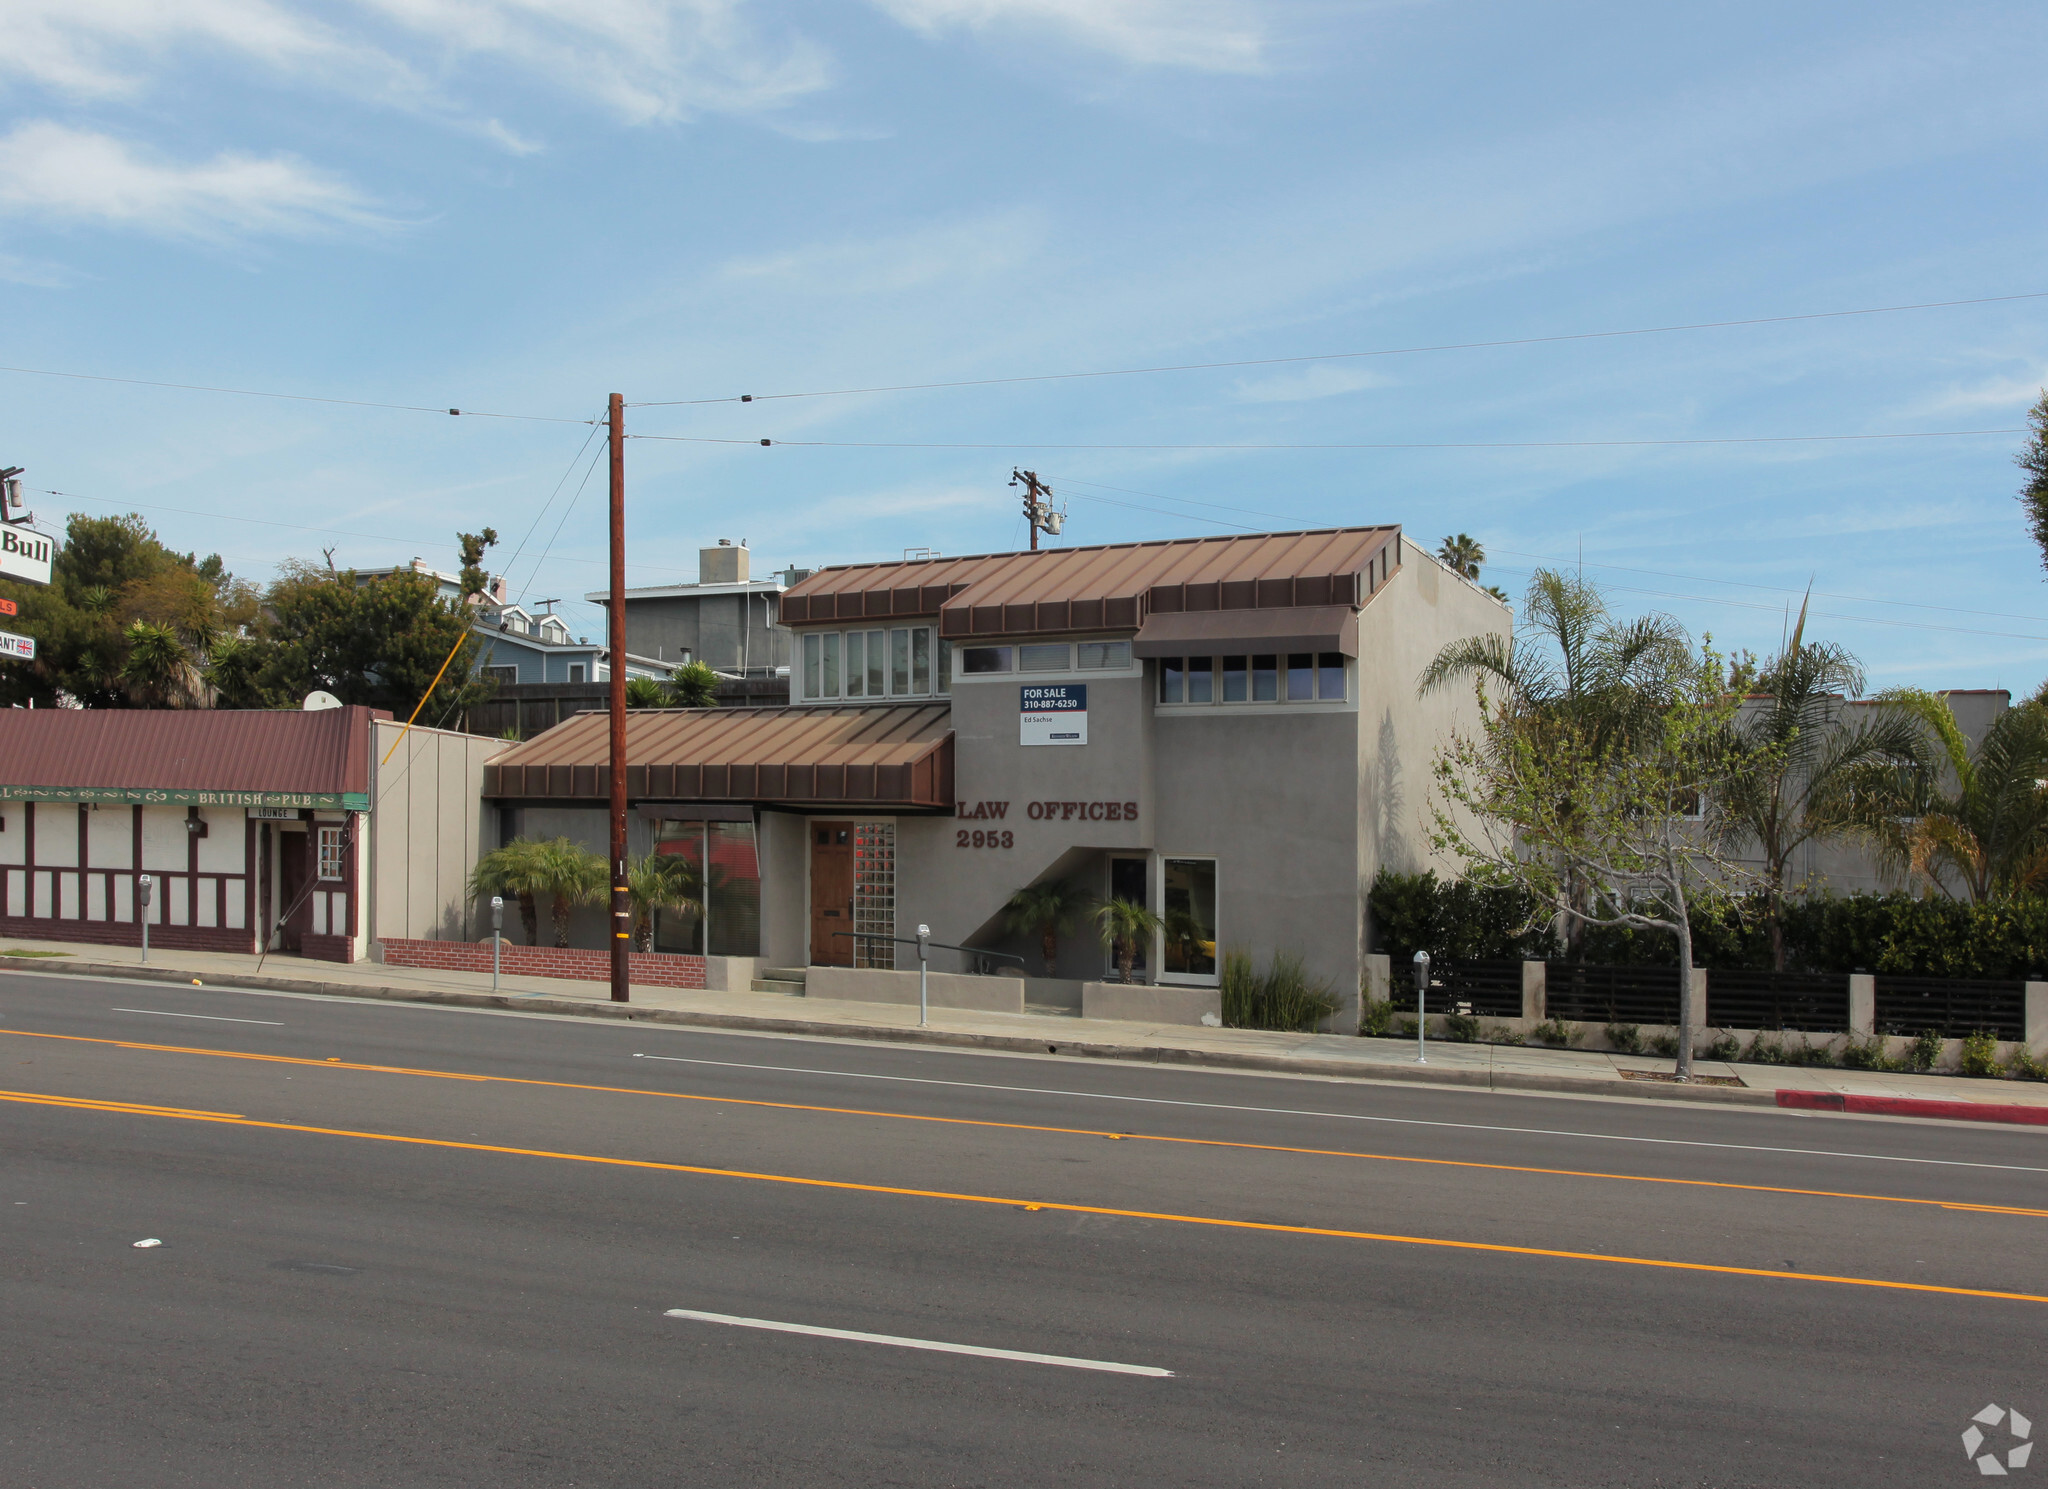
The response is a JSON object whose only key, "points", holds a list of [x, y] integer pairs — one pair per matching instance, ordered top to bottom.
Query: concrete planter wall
{"points": [[572, 963], [948, 989], [1144, 1003]]}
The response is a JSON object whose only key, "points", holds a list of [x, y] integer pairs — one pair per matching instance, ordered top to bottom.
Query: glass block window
{"points": [[874, 893]]}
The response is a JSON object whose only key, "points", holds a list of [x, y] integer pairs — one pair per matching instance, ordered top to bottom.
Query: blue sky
{"points": [[521, 207]]}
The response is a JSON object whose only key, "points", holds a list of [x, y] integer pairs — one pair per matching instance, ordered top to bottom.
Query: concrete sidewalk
{"points": [[1496, 1067]]}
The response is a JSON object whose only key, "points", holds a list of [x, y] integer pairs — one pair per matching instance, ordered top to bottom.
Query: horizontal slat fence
{"points": [[1484, 989], [1593, 994], [1815, 1002], [1910, 1005]]}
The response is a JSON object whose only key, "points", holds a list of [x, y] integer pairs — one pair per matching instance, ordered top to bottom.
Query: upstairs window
{"points": [[895, 663], [1295, 677]]}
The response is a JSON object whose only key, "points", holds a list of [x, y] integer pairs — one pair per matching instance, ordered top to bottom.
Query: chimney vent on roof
{"points": [[724, 564]]}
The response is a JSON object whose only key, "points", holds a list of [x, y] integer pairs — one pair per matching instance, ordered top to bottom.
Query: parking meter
{"points": [[142, 886], [497, 939], [1421, 1006]]}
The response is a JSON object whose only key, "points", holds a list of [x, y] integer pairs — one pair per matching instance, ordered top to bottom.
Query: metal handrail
{"points": [[924, 943]]}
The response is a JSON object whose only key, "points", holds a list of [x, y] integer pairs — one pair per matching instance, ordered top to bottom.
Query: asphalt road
{"points": [[459, 1268]]}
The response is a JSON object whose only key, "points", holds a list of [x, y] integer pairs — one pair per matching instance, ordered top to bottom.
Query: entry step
{"points": [[788, 982]]}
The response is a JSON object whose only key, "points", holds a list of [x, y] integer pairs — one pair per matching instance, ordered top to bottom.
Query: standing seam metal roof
{"points": [[1113, 586], [187, 749]]}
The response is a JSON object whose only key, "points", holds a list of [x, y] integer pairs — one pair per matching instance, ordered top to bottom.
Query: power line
{"points": [[1392, 351], [409, 408], [1543, 444], [571, 507], [534, 525], [304, 528]]}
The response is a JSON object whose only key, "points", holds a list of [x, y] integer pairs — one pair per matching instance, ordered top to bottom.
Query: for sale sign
{"points": [[25, 554], [22, 648], [1053, 714]]}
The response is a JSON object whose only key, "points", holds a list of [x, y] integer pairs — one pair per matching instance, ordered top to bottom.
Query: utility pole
{"points": [[1039, 514], [622, 915]]}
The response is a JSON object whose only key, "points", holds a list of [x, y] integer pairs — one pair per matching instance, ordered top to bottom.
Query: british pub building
{"points": [[1226, 730]]}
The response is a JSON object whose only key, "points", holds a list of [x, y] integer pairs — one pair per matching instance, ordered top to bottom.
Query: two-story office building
{"points": [[1225, 730]]}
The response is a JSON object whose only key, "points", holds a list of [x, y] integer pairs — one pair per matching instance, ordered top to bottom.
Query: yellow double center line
{"points": [[849, 1186]]}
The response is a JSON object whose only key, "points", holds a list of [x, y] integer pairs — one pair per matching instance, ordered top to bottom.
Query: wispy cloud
{"points": [[1205, 35], [643, 60], [53, 171], [953, 252], [1320, 380], [2010, 394]]}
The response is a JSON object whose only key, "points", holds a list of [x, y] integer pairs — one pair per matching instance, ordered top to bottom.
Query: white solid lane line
{"points": [[212, 1018], [1282, 1111], [857, 1337]]}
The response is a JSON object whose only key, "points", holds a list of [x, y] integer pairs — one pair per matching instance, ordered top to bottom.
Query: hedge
{"points": [[1892, 933]]}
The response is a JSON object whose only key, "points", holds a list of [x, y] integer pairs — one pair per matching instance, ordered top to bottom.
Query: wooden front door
{"points": [[831, 893], [294, 904]]}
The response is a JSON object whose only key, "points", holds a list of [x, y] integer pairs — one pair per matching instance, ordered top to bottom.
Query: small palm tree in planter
{"points": [[647, 692], [515, 870], [570, 875], [659, 881], [1041, 909], [1123, 924]]}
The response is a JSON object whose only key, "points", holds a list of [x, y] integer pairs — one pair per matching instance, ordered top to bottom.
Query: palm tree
{"points": [[1463, 554], [159, 671], [1571, 673], [694, 685], [646, 692], [1800, 760], [1977, 818], [517, 869], [571, 875], [659, 881], [1040, 909], [1122, 924]]}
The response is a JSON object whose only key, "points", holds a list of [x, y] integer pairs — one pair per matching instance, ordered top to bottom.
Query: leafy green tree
{"points": [[2033, 459], [109, 574], [474, 580], [378, 642], [1570, 670], [159, 672], [694, 685], [1803, 758], [1971, 823], [1598, 826], [1041, 909], [1123, 926]]}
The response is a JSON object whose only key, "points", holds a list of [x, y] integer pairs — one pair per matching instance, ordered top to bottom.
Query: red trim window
{"points": [[333, 866]]}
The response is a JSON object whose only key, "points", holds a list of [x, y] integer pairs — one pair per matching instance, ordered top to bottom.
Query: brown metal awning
{"points": [[1301, 628], [871, 757]]}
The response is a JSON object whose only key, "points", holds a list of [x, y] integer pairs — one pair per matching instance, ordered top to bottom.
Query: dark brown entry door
{"points": [[831, 893], [292, 901]]}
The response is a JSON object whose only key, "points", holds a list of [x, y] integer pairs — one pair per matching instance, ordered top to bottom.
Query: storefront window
{"points": [[331, 865], [1128, 880], [725, 882], [1190, 904]]}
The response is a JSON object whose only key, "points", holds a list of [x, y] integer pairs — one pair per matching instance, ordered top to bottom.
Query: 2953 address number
{"points": [[980, 838]]}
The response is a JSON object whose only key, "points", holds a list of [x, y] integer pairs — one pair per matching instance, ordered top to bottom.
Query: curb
{"points": [[1485, 1080], [1915, 1106]]}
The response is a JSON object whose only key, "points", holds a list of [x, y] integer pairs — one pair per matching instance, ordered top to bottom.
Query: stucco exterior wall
{"points": [[718, 630], [428, 826]]}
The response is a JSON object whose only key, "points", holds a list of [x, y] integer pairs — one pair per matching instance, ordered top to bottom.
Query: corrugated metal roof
{"points": [[1109, 587], [276, 750], [899, 756]]}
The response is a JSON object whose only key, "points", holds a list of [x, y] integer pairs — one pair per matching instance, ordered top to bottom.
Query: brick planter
{"points": [[573, 963]]}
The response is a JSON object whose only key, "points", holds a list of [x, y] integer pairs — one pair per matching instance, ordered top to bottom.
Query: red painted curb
{"points": [[1909, 1106]]}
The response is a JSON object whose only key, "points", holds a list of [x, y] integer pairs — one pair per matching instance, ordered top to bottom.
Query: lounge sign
{"points": [[25, 554], [1053, 713], [346, 801]]}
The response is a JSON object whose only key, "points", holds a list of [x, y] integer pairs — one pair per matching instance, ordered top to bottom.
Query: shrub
{"points": [[1454, 920], [1285, 997], [1378, 1018], [1461, 1028], [1557, 1033], [1501, 1034], [1625, 1037], [1664, 1045], [1723, 1046], [1765, 1049], [1925, 1051], [1809, 1053], [1980, 1053], [1869, 1054], [2022, 1065]]}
